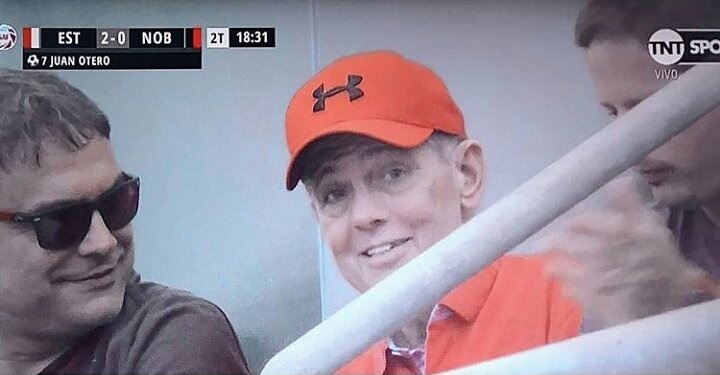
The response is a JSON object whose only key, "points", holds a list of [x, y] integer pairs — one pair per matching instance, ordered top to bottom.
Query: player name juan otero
{"points": [[71, 61]]}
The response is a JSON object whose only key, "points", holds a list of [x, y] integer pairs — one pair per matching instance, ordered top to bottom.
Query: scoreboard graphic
{"points": [[111, 48], [132, 48]]}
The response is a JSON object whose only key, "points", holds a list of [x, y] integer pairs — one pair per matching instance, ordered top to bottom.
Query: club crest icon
{"points": [[8, 37]]}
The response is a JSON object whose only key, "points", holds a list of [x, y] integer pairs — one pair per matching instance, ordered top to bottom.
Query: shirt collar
{"points": [[468, 298]]}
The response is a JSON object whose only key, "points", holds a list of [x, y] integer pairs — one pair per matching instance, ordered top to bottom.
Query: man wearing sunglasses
{"points": [[69, 299]]}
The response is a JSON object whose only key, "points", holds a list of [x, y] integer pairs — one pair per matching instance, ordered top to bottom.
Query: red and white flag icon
{"points": [[31, 37]]}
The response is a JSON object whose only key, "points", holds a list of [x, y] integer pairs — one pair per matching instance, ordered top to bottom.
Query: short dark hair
{"points": [[639, 19], [40, 107]]}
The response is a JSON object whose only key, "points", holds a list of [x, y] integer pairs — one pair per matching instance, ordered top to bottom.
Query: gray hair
{"points": [[40, 107], [334, 147]]}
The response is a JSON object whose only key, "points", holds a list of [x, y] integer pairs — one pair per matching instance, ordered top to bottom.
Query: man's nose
{"points": [[368, 211], [99, 239]]}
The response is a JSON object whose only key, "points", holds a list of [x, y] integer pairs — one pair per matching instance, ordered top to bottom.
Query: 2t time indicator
{"points": [[235, 37]]}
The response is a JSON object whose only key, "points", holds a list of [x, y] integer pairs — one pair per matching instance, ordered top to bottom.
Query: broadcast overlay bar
{"points": [[112, 48]]}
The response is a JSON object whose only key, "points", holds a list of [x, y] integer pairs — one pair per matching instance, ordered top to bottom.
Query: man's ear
{"points": [[470, 169]]}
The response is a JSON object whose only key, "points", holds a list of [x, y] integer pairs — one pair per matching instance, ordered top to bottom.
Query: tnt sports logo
{"points": [[8, 37], [666, 46], [685, 46]]}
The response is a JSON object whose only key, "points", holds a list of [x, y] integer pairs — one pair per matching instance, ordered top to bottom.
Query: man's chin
{"points": [[372, 278], [97, 312]]}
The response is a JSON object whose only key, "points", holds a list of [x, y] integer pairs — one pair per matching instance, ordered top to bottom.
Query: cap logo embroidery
{"points": [[353, 92]]}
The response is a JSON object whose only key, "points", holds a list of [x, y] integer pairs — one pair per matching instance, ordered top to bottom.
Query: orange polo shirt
{"points": [[510, 306]]}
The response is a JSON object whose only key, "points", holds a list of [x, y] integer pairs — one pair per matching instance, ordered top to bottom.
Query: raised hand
{"points": [[621, 262]]}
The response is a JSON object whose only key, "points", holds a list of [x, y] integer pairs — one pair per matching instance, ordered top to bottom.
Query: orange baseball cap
{"points": [[380, 94]]}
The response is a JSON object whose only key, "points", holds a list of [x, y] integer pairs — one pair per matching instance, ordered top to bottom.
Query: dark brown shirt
{"points": [[698, 238], [158, 331]]}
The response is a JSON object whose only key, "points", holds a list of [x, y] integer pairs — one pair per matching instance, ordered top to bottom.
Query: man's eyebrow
{"points": [[607, 106], [329, 166], [322, 173], [51, 205]]}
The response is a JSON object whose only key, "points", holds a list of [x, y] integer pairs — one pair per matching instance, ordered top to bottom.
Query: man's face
{"points": [[684, 171], [380, 206], [69, 291]]}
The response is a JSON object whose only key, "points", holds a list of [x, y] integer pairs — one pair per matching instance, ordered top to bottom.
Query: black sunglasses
{"points": [[62, 227]]}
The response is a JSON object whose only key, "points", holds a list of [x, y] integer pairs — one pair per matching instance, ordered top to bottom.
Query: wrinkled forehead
{"points": [[336, 150]]}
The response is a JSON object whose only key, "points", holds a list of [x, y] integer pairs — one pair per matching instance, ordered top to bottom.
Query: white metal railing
{"points": [[387, 306], [684, 341]]}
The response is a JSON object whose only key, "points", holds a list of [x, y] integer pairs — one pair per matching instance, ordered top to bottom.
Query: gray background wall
{"points": [[209, 144]]}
